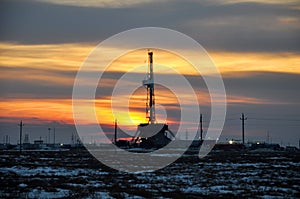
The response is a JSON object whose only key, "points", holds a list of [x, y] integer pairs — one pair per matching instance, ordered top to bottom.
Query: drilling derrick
{"points": [[149, 84], [151, 134]]}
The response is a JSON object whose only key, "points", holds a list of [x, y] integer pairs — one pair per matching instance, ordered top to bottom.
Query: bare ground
{"points": [[76, 174]]}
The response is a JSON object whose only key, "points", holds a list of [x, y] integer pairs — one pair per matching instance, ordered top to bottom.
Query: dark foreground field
{"points": [[76, 174]]}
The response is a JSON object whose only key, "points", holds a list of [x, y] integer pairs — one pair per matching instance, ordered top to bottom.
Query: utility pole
{"points": [[116, 126], [243, 127], [201, 128], [21, 129], [49, 129], [268, 137]]}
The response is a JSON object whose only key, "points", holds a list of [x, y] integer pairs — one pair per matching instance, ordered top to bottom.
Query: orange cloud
{"points": [[69, 57], [287, 62], [50, 63], [46, 110]]}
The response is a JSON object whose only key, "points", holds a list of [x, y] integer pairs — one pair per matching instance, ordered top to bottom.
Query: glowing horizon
{"points": [[61, 61]]}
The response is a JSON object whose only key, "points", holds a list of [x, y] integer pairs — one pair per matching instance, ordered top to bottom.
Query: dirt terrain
{"points": [[76, 174]]}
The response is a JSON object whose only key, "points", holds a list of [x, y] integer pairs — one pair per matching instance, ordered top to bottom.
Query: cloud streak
{"points": [[235, 26]]}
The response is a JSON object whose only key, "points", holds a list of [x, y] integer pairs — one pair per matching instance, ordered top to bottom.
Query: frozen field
{"points": [[76, 174]]}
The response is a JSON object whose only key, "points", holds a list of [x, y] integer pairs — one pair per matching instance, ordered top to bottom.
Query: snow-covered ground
{"points": [[76, 174]]}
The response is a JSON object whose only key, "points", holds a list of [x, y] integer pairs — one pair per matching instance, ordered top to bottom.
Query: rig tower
{"points": [[149, 84], [151, 134]]}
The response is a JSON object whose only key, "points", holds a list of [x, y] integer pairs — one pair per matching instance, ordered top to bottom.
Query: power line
{"points": [[276, 119]]}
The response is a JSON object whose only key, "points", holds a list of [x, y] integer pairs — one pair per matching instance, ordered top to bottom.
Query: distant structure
{"points": [[21, 129], [49, 129], [6, 139], [26, 139], [38, 141], [38, 144]]}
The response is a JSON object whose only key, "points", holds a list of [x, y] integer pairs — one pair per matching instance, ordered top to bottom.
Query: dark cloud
{"points": [[236, 27], [35, 83], [270, 86], [22, 89]]}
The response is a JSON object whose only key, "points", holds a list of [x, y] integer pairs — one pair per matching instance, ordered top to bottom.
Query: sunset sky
{"points": [[255, 45]]}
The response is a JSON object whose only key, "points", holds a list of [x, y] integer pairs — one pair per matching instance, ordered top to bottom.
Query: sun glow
{"points": [[55, 66]]}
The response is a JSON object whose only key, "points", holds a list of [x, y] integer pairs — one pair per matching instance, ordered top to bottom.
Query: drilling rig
{"points": [[151, 134]]}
